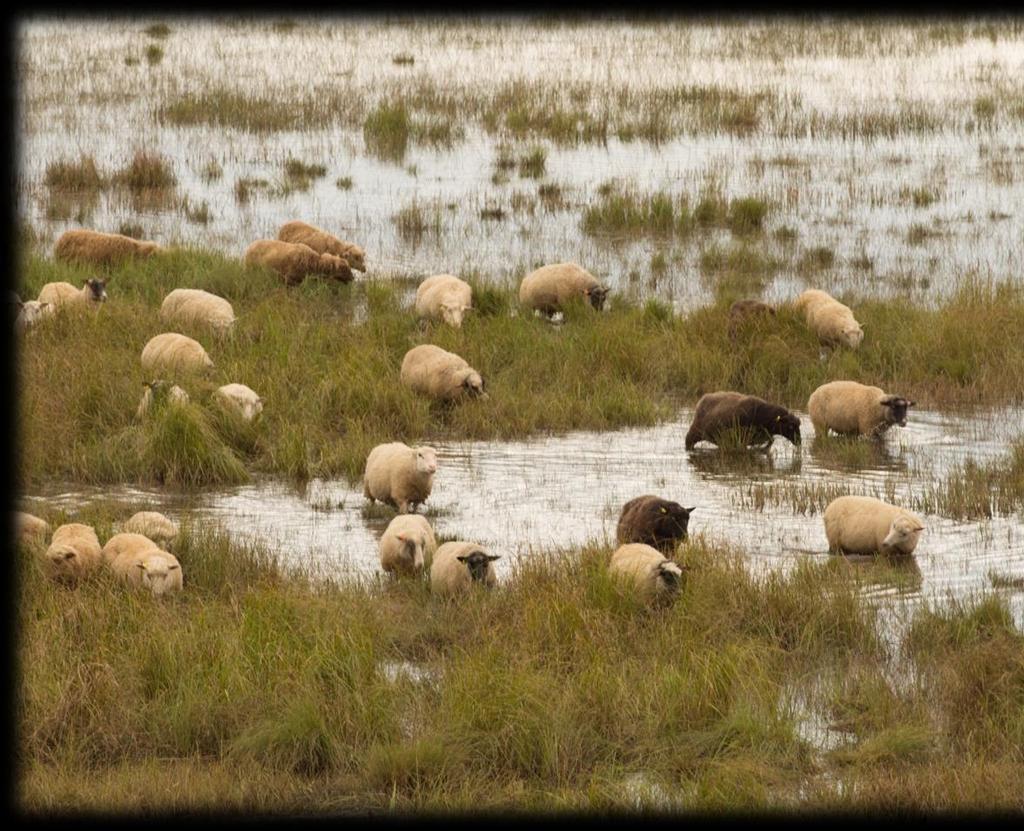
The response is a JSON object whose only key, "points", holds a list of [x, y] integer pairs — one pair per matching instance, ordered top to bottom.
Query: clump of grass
{"points": [[284, 26], [159, 31], [154, 54], [403, 59], [131, 60], [984, 108], [388, 128], [532, 163], [297, 169], [146, 171], [212, 171], [77, 176], [344, 183], [246, 186], [920, 197], [626, 212], [492, 213], [198, 214], [746, 215], [416, 219], [131, 229], [918, 233], [813, 260], [979, 491]]}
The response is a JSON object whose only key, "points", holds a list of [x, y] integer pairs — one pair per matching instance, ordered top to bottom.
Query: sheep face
{"points": [[356, 257], [97, 289], [596, 296], [33, 311], [454, 312], [852, 336], [473, 384], [896, 409], [787, 426], [426, 460], [671, 521], [902, 536], [412, 549], [63, 563], [477, 563], [159, 576], [669, 576]]}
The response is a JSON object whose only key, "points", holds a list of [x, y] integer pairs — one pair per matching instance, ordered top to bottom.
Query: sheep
{"points": [[322, 242], [98, 248], [294, 261], [551, 286], [94, 290], [444, 296], [198, 308], [743, 311], [31, 312], [830, 320], [174, 352], [431, 371], [159, 392], [240, 399], [847, 407], [718, 412], [400, 475], [656, 522], [865, 525], [156, 526], [30, 528], [126, 544], [406, 544], [74, 553], [459, 565], [153, 569], [655, 578]]}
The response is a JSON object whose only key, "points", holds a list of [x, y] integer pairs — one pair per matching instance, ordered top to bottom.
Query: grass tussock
{"points": [[146, 171]]}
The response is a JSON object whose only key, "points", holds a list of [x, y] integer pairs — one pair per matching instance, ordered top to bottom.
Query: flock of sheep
{"points": [[649, 527]]}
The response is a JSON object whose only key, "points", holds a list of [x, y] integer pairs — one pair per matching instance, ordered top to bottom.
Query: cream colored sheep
{"points": [[322, 242], [98, 248], [294, 261], [548, 288], [94, 290], [444, 296], [196, 307], [31, 312], [829, 319], [173, 352], [431, 371], [160, 391], [240, 399], [847, 407], [400, 475], [865, 525], [30, 528], [162, 530], [126, 544], [407, 544], [74, 553], [458, 565], [153, 570], [655, 577]]}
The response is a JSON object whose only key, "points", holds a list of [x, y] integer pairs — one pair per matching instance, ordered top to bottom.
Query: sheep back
{"points": [[323, 242], [98, 248], [551, 286], [444, 296], [197, 308], [174, 352], [436, 373], [240, 399], [850, 408], [659, 523], [30, 528], [159, 528], [74, 552]]}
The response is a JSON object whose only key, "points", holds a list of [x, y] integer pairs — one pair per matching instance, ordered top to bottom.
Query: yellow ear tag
{"points": [[778, 418], [663, 510]]}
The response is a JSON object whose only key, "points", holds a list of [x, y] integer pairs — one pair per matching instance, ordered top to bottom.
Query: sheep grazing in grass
{"points": [[299, 232], [98, 248], [294, 261], [550, 287], [93, 291], [444, 296], [196, 307], [31, 312], [743, 312], [829, 319], [173, 352], [431, 371], [158, 393], [240, 399], [849, 408], [755, 419], [400, 475], [653, 521], [865, 525], [30, 528], [159, 528], [124, 544], [407, 544], [74, 553], [138, 560], [457, 566], [654, 577]]}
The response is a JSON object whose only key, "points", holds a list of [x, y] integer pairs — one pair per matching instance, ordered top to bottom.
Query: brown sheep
{"points": [[322, 242], [98, 248], [294, 261], [743, 311], [718, 412], [653, 521]]}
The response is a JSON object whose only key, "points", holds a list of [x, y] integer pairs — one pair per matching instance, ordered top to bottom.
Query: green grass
{"points": [[146, 171], [331, 383]]}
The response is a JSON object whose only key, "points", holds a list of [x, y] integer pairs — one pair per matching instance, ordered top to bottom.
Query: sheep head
{"points": [[356, 257], [97, 289], [596, 295], [454, 312], [852, 336], [473, 384], [896, 409], [787, 426], [426, 460], [902, 536], [413, 550], [478, 562], [159, 573]]}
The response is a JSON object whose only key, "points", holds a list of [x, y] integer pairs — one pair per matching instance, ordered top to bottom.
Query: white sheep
{"points": [[323, 242], [99, 248], [548, 288], [93, 291], [444, 296], [196, 307], [31, 312], [829, 319], [174, 352], [436, 373], [160, 391], [240, 399], [847, 407], [400, 475], [865, 525], [30, 528], [159, 528], [125, 544], [407, 544], [74, 553], [458, 565], [154, 570], [654, 576]]}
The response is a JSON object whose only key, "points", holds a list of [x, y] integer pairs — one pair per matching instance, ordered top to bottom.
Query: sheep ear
{"points": [[911, 403], [778, 418], [690, 510], [401, 537], [463, 557], [493, 557], [141, 565], [171, 568]]}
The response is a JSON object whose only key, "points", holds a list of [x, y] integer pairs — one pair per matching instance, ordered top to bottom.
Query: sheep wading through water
{"points": [[299, 232], [99, 248], [295, 261], [550, 287], [93, 291], [444, 296], [436, 373], [849, 408], [757, 421], [400, 475], [659, 523], [865, 525], [407, 545], [458, 566], [653, 576]]}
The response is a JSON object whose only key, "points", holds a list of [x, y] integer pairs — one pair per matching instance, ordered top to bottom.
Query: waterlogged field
{"points": [[687, 163]]}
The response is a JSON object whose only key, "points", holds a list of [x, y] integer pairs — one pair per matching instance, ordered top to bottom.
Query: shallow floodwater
{"points": [[521, 497]]}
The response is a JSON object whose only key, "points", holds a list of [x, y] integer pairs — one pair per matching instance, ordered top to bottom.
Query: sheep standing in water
{"points": [[299, 232], [849, 408], [756, 419], [400, 475], [659, 523], [865, 525], [407, 544]]}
